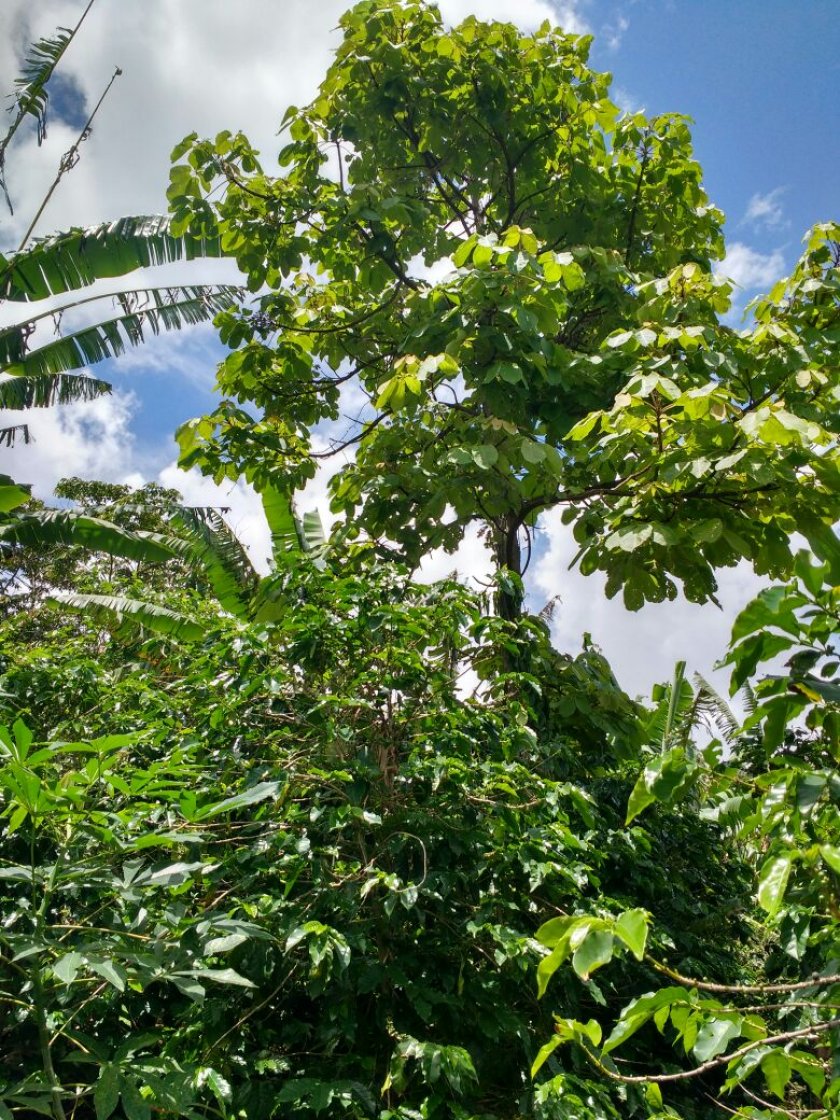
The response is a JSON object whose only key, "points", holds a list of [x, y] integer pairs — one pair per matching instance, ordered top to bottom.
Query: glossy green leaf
{"points": [[773, 881], [631, 927], [594, 951], [714, 1036], [776, 1069]]}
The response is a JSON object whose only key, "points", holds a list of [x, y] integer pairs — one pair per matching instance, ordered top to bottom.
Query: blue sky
{"points": [[758, 77]]}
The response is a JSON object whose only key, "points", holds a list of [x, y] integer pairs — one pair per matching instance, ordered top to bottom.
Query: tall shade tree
{"points": [[510, 284]]}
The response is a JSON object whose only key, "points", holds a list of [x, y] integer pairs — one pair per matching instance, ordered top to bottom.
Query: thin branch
{"points": [[69, 159], [631, 227], [391, 262], [338, 447], [736, 989], [713, 1063]]}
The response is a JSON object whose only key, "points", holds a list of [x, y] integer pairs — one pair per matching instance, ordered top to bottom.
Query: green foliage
{"points": [[518, 281], [111, 538], [776, 795], [312, 805], [330, 842]]}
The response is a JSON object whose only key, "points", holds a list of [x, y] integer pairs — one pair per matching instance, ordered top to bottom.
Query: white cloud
{"points": [[528, 14], [614, 32], [172, 57], [198, 65], [626, 101], [766, 210], [749, 269], [188, 356], [91, 440], [471, 561], [642, 646]]}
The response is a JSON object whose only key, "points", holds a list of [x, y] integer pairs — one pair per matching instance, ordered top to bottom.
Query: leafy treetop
{"points": [[510, 285]]}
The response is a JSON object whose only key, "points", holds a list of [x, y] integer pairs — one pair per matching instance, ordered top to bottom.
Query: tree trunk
{"points": [[508, 557]]}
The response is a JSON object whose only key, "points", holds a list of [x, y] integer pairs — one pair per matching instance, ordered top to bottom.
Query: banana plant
{"points": [[63, 267], [203, 538], [673, 766]]}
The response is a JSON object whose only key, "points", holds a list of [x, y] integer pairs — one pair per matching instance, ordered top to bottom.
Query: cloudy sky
{"points": [[758, 77]]}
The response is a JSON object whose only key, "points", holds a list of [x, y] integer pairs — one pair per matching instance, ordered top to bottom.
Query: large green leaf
{"points": [[66, 262], [146, 310], [12, 494], [63, 527], [312, 532], [285, 536], [221, 557], [152, 617], [773, 881]]}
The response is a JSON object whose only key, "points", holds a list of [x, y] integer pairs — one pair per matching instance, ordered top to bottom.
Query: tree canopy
{"points": [[509, 284]]}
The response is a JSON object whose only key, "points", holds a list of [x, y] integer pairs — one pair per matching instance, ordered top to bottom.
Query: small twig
{"points": [[69, 159]]}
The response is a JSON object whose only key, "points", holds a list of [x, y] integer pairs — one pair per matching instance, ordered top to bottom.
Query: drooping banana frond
{"points": [[66, 262], [165, 309], [44, 390], [14, 432], [63, 527], [220, 556], [159, 619], [710, 705]]}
